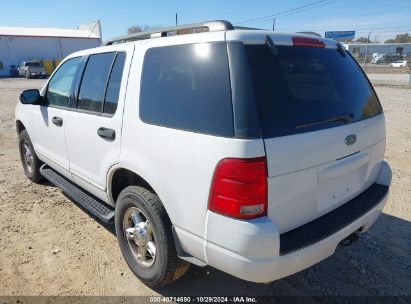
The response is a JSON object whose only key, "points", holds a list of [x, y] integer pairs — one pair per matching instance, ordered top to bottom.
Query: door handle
{"points": [[58, 121], [106, 133]]}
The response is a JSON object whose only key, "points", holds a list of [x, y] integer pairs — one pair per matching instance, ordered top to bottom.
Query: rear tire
{"points": [[29, 160], [164, 266]]}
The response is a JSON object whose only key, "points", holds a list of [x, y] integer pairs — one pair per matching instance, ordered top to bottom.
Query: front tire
{"points": [[29, 160], [145, 237]]}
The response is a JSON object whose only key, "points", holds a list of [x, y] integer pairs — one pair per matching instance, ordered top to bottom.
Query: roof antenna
{"points": [[176, 19], [273, 24]]}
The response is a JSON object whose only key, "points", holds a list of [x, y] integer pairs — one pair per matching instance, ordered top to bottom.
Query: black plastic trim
{"points": [[79, 77], [333, 221]]}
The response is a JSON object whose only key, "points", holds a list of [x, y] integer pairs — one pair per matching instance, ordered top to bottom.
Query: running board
{"points": [[92, 204]]}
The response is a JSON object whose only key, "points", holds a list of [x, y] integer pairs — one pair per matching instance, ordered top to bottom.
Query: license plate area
{"points": [[341, 180]]}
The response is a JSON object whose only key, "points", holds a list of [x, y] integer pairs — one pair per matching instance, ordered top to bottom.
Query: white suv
{"points": [[251, 151]]}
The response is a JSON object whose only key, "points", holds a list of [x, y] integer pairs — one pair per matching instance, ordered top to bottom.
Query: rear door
{"points": [[94, 122], [323, 129]]}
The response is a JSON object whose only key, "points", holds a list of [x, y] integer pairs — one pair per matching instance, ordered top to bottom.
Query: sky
{"points": [[384, 18]]}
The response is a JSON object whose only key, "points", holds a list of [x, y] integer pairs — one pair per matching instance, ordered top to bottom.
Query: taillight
{"points": [[307, 41], [239, 188]]}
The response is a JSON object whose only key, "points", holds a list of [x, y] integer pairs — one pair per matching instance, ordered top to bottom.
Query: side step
{"points": [[97, 207]]}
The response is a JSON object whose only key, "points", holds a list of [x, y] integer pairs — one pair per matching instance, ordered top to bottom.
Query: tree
{"points": [[142, 28], [400, 38], [362, 40]]}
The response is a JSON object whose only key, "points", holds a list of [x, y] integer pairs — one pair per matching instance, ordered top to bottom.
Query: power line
{"points": [[385, 8], [307, 9], [300, 10], [280, 13], [370, 27]]}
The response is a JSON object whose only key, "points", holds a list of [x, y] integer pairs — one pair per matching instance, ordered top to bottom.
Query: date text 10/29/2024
{"points": [[207, 299]]}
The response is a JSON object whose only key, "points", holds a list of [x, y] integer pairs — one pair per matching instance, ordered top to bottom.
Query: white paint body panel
{"points": [[49, 139], [313, 173]]}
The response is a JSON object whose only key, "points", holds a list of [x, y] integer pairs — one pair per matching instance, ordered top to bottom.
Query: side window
{"points": [[94, 81], [60, 84], [113, 87], [187, 87]]}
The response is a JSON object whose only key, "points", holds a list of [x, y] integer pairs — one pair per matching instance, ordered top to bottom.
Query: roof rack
{"points": [[209, 26], [247, 28], [309, 33]]}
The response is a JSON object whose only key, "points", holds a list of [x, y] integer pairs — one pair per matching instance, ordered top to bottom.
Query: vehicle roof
{"points": [[247, 36]]}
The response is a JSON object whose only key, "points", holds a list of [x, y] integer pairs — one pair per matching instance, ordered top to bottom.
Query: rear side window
{"points": [[94, 81], [187, 87], [305, 89]]}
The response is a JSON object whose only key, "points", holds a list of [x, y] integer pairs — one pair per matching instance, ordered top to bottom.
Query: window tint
{"points": [[33, 64], [93, 83], [60, 84], [113, 87], [188, 87], [305, 89]]}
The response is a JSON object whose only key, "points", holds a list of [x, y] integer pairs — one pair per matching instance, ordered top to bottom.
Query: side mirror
{"points": [[31, 96]]}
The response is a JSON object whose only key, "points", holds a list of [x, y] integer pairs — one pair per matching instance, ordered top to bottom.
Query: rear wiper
{"points": [[271, 45], [341, 49], [345, 118]]}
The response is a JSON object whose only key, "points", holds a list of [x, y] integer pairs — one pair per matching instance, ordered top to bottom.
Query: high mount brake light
{"points": [[307, 41], [239, 188]]}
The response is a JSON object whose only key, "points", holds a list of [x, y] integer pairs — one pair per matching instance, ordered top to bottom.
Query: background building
{"points": [[19, 44], [358, 49]]}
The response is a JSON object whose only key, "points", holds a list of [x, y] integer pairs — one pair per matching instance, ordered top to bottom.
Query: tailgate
{"points": [[322, 125], [321, 172]]}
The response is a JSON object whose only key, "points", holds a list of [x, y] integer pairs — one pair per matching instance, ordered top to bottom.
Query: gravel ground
{"points": [[392, 79], [48, 246]]}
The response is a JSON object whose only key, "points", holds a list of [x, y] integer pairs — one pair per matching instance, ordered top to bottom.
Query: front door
{"points": [[49, 120]]}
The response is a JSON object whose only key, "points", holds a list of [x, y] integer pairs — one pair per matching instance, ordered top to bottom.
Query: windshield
{"points": [[33, 64], [302, 89]]}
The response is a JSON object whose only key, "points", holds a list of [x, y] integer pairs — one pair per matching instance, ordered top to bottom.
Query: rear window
{"points": [[33, 64], [187, 87], [305, 89]]}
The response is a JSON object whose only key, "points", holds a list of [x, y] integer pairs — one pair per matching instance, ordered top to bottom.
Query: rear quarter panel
{"points": [[179, 165]]}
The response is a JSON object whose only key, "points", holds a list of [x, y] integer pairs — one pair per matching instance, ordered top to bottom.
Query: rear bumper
{"points": [[37, 73], [251, 249]]}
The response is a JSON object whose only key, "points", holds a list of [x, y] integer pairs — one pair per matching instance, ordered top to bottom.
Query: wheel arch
{"points": [[19, 126], [121, 177]]}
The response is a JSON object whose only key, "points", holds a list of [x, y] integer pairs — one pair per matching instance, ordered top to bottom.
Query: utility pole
{"points": [[176, 19], [273, 24], [366, 49]]}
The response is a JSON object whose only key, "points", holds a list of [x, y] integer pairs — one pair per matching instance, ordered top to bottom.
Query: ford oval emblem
{"points": [[350, 139]]}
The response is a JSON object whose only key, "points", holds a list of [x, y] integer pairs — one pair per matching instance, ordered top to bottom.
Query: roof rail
{"points": [[209, 26]]}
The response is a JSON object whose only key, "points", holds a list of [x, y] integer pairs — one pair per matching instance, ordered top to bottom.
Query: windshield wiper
{"points": [[345, 118]]}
